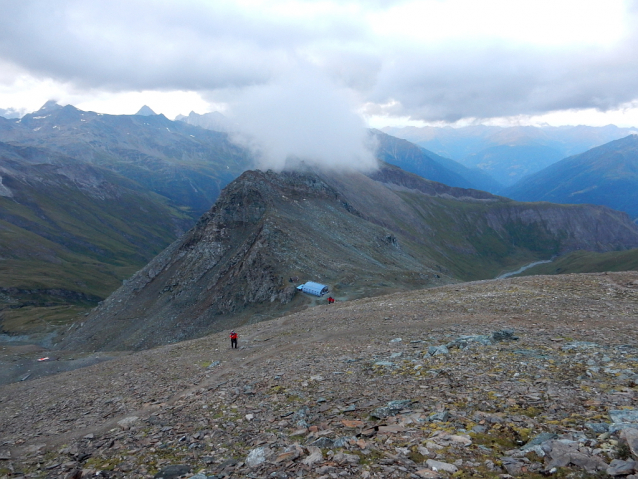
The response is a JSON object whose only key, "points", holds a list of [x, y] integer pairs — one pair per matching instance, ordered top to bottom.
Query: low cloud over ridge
{"points": [[302, 117]]}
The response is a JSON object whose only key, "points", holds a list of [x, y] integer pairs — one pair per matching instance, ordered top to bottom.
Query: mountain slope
{"points": [[508, 153], [186, 164], [431, 166], [606, 175], [70, 233], [361, 235], [588, 262]]}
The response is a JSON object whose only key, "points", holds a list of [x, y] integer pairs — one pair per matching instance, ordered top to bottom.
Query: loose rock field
{"points": [[523, 377]]}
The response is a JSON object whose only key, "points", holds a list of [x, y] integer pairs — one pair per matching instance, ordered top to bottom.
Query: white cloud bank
{"points": [[416, 60], [301, 116]]}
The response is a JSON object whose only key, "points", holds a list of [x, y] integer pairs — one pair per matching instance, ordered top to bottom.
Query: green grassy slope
{"points": [[606, 175], [69, 235], [588, 262]]}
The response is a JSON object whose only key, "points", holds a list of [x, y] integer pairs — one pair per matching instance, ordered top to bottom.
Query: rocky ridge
{"points": [[361, 235], [519, 377]]}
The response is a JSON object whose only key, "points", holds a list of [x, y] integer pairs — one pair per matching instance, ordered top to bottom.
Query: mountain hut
{"points": [[313, 288]]}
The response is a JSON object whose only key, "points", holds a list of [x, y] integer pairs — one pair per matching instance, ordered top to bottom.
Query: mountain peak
{"points": [[49, 106], [146, 111]]}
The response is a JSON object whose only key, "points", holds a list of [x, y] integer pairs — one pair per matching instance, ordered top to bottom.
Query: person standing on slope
{"points": [[233, 340]]}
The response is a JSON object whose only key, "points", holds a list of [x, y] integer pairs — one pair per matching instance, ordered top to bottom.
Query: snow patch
{"points": [[4, 191]]}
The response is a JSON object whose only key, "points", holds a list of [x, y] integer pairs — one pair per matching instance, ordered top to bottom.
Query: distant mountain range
{"points": [[215, 121], [509, 154], [185, 164], [431, 166], [606, 175], [361, 235]]}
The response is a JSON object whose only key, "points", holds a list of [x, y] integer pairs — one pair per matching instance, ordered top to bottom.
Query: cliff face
{"points": [[591, 228], [361, 235]]}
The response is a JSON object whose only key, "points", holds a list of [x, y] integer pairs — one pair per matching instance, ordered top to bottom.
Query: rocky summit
{"points": [[361, 235], [524, 377]]}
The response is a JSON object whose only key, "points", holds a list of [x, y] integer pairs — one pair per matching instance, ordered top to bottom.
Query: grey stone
{"points": [[504, 335], [396, 340], [464, 342], [579, 345], [438, 350], [214, 364], [386, 364], [399, 404], [391, 409], [303, 412], [624, 415], [442, 416], [127, 422], [620, 426], [597, 427], [630, 435], [538, 440], [343, 441], [323, 443], [563, 453], [258, 456], [314, 456], [343, 458], [441, 466], [513, 466], [619, 467], [173, 472]]}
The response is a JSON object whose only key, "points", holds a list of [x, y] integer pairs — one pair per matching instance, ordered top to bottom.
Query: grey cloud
{"points": [[138, 44], [219, 49], [452, 84], [302, 117]]}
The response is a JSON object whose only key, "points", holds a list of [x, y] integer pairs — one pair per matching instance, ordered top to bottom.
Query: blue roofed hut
{"points": [[313, 288]]}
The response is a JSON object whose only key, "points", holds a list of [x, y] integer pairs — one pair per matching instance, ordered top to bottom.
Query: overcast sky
{"points": [[391, 62]]}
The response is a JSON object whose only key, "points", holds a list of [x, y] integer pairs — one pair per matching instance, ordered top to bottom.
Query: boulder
{"points": [[258, 456], [173, 471]]}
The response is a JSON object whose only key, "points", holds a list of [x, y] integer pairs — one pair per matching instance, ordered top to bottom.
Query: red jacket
{"points": [[233, 335]]}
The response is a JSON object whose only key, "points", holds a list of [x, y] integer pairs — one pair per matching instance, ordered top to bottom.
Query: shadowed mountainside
{"points": [[509, 153], [186, 164], [429, 165], [606, 175], [69, 233], [361, 235]]}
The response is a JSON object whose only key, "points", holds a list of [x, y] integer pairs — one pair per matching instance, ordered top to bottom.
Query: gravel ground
{"points": [[516, 376]]}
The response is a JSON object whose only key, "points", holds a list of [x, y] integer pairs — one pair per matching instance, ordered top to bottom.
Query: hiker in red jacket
{"points": [[233, 340]]}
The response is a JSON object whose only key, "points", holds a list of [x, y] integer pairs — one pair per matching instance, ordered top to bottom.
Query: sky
{"points": [[320, 65]]}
